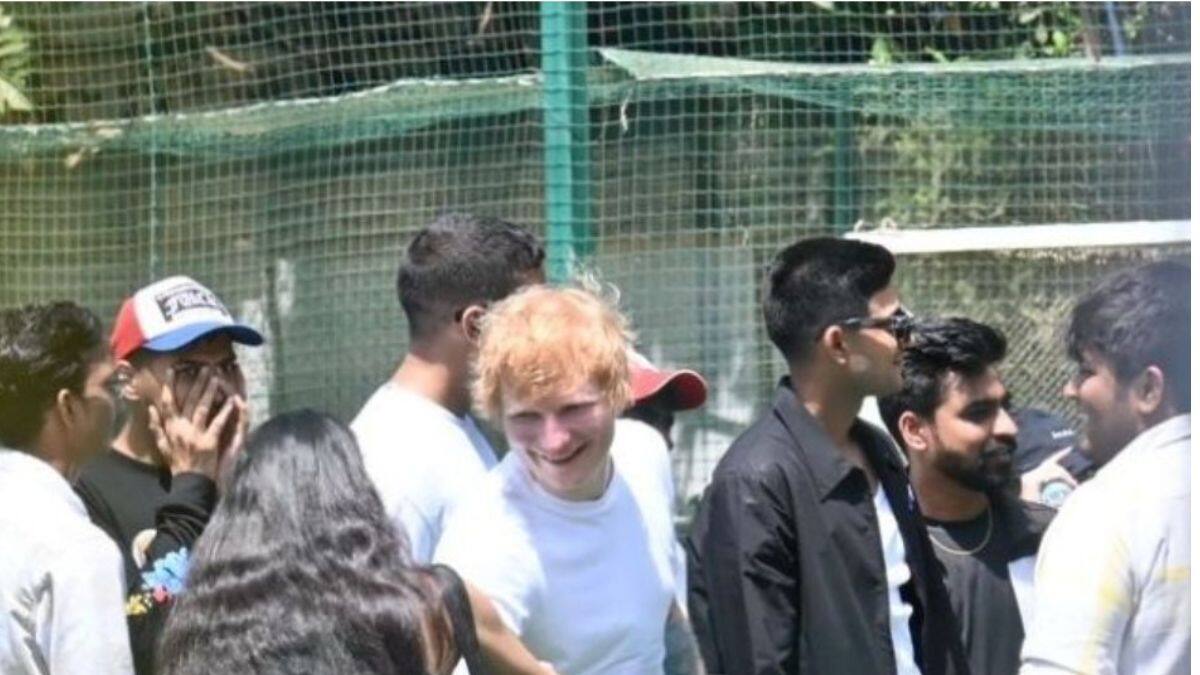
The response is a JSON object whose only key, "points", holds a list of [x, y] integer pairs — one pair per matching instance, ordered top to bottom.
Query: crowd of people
{"points": [[958, 535]]}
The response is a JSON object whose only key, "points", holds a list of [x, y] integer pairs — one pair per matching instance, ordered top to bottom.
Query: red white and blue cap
{"points": [[171, 314]]}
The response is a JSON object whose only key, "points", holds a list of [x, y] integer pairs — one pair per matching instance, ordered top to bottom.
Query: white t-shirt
{"points": [[636, 436], [423, 460], [898, 574], [62, 582], [587, 586], [1112, 592]]}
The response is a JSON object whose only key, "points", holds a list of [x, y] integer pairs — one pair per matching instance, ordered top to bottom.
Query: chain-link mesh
{"points": [[283, 154]]}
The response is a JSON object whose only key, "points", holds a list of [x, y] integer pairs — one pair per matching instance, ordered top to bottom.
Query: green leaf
{"points": [[1030, 15], [1060, 41], [11, 47], [881, 52], [937, 55], [12, 99]]}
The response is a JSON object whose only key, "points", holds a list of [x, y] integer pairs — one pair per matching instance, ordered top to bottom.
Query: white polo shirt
{"points": [[1113, 581], [62, 588]]}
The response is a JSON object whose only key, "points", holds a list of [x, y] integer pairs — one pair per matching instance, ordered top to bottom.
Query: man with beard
{"points": [[951, 420]]}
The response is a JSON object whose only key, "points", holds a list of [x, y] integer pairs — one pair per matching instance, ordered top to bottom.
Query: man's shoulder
{"points": [[764, 449], [99, 471], [485, 522], [1026, 522], [57, 534]]}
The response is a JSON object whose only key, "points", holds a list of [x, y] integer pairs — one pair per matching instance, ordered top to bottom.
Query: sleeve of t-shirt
{"points": [[182, 514], [179, 520], [417, 528], [479, 549], [1083, 593], [86, 624]]}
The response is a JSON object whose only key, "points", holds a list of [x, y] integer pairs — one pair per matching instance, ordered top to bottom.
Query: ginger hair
{"points": [[542, 340]]}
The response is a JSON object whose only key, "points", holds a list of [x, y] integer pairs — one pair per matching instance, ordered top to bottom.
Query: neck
{"points": [[435, 377], [834, 407], [135, 440], [48, 447], [592, 490], [941, 498]]}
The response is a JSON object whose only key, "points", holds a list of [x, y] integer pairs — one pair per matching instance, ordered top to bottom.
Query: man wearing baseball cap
{"points": [[660, 393], [153, 491]]}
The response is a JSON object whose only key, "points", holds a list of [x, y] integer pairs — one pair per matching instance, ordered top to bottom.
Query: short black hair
{"points": [[462, 259], [817, 282], [1136, 318], [939, 347], [43, 350]]}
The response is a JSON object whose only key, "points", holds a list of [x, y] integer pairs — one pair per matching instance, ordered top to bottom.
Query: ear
{"points": [[469, 323], [833, 340], [126, 375], [1149, 390], [64, 406], [913, 431]]}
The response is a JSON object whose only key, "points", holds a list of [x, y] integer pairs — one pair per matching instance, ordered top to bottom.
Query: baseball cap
{"points": [[172, 313], [688, 388], [1040, 434]]}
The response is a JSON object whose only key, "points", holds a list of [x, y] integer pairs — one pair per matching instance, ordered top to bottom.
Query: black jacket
{"points": [[787, 569]]}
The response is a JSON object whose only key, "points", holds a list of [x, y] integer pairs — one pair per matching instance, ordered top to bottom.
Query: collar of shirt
{"points": [[1164, 433], [828, 466], [31, 473]]}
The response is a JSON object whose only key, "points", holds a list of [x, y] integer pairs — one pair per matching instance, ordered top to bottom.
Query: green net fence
{"points": [[284, 153]]}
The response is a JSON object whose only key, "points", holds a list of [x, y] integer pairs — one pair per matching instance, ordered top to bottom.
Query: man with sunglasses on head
{"points": [[808, 553]]}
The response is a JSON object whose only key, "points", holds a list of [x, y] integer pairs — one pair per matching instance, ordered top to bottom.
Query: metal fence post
{"points": [[568, 137]]}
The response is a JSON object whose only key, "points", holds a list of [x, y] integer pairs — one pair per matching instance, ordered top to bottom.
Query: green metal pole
{"points": [[568, 137], [845, 173]]}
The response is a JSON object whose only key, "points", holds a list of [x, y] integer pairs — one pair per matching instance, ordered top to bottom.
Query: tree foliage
{"points": [[15, 67]]}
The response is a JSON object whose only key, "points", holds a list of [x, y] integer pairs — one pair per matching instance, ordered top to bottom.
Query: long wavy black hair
{"points": [[300, 571]]}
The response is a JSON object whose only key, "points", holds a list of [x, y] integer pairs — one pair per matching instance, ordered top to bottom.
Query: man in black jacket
{"points": [[808, 553]]}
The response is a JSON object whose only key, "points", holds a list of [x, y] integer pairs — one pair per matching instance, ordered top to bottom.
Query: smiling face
{"points": [[875, 357], [1110, 419], [971, 436], [563, 437]]}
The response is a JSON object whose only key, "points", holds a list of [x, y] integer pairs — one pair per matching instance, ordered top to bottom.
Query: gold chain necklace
{"points": [[987, 537]]}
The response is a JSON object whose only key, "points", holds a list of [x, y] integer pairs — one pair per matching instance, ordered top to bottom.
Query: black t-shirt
{"points": [[142, 506], [977, 577]]}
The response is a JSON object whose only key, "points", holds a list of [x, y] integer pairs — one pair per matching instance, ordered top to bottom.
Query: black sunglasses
{"points": [[900, 324]]}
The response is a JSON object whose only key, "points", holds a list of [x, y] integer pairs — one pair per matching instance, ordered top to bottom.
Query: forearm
{"points": [[182, 516], [683, 655]]}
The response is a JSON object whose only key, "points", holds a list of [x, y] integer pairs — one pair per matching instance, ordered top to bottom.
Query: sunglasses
{"points": [[900, 324]]}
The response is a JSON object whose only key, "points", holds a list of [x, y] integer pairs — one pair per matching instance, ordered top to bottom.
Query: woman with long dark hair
{"points": [[299, 571]]}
